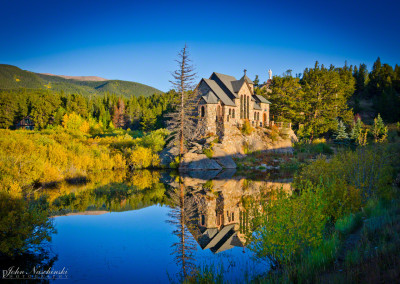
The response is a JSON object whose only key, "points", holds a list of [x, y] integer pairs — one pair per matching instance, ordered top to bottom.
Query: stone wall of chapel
{"points": [[244, 91], [265, 110], [225, 123]]}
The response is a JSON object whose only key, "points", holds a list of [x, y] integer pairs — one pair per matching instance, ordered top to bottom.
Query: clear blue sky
{"points": [[138, 40]]}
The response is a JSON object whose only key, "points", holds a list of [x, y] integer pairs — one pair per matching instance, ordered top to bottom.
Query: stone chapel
{"points": [[225, 102]]}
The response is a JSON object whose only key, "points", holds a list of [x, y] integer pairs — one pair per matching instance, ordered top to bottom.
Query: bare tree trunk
{"points": [[182, 105], [182, 122]]}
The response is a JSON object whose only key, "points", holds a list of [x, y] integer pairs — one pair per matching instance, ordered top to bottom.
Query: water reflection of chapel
{"points": [[222, 219]]}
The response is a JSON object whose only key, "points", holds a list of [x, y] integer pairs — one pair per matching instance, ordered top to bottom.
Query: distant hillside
{"points": [[12, 77], [78, 78]]}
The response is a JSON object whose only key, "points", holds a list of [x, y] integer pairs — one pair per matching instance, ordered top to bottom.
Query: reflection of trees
{"points": [[141, 189], [226, 208], [181, 216], [24, 226], [25, 230], [41, 260]]}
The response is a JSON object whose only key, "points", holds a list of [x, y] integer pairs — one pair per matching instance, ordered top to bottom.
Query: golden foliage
{"points": [[50, 156]]}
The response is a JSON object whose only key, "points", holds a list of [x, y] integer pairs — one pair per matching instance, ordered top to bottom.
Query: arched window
{"points": [[241, 106], [247, 107], [203, 111], [218, 112], [230, 112], [233, 113], [255, 116]]}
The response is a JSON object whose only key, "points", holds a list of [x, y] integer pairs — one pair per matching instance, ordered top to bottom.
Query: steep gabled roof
{"points": [[247, 79], [225, 82], [236, 85], [219, 92], [210, 98], [261, 99]]}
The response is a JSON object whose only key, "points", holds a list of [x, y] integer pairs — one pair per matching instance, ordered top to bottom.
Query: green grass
{"points": [[319, 148], [348, 224]]}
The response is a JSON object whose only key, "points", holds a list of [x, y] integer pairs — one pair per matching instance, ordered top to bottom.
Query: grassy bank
{"points": [[342, 219]]}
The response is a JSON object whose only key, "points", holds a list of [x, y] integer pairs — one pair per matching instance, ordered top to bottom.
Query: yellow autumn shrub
{"points": [[140, 158]]}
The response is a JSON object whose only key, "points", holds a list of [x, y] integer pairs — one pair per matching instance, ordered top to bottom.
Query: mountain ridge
{"points": [[12, 77], [78, 78]]}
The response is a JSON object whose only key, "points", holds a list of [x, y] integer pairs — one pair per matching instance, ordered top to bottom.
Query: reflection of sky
{"points": [[128, 247]]}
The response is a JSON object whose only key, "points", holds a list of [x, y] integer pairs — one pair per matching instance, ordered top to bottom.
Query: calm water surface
{"points": [[152, 227]]}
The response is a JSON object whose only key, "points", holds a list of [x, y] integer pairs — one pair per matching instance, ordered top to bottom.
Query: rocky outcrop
{"points": [[261, 139], [235, 144], [168, 155], [223, 159], [193, 161]]}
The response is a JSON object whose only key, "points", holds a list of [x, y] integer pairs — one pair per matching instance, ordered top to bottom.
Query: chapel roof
{"points": [[247, 79], [226, 88], [210, 98], [261, 99], [226, 100], [257, 106]]}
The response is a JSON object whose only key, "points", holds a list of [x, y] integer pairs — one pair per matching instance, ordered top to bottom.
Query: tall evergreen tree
{"points": [[326, 92], [287, 99]]}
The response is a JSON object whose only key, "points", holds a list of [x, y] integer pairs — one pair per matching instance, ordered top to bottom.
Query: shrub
{"points": [[74, 121], [247, 129], [274, 133], [319, 140], [246, 148], [314, 148], [208, 152], [53, 155], [141, 158], [175, 163], [349, 178], [292, 225]]}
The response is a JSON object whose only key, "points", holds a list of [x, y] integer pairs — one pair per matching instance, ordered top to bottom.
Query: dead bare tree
{"points": [[182, 121], [182, 216]]}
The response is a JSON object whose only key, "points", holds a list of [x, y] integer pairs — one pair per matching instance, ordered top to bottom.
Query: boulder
{"points": [[168, 155], [223, 159], [193, 161]]}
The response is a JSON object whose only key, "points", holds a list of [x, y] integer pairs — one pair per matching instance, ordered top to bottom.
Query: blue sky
{"points": [[138, 40]]}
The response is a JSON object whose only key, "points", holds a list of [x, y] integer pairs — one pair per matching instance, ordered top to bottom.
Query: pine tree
{"points": [[256, 81], [326, 92], [287, 99], [8, 109], [148, 120], [357, 128], [379, 130], [341, 131]]}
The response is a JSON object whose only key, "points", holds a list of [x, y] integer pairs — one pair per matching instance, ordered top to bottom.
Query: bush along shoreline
{"points": [[341, 224]]}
